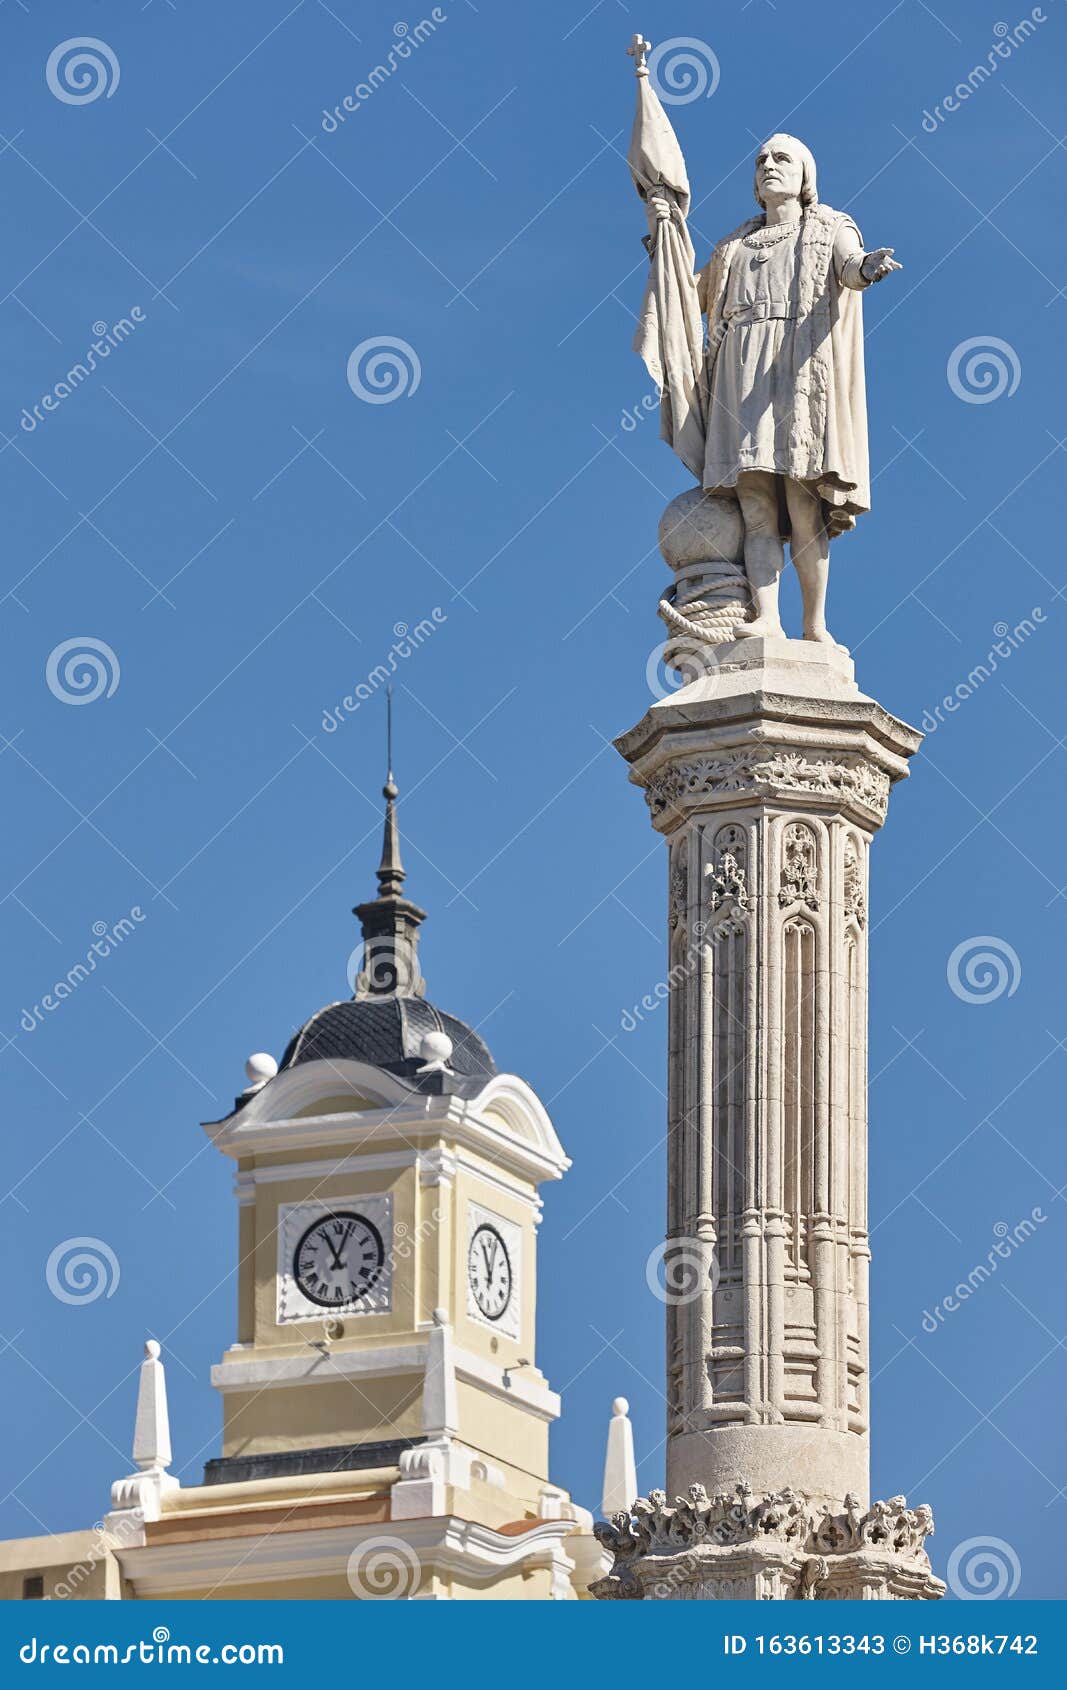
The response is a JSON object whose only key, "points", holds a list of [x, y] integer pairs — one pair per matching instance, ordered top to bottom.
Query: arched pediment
{"points": [[329, 1087], [516, 1106]]}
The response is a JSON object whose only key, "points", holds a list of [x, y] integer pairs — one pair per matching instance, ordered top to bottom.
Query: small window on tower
{"points": [[33, 1588]]}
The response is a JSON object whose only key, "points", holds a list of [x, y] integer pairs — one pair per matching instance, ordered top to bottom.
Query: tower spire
{"points": [[390, 922]]}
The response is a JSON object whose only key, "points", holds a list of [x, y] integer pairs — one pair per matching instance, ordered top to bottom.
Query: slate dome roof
{"points": [[387, 1032]]}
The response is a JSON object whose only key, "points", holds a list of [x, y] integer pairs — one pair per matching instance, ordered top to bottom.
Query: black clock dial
{"points": [[339, 1259], [489, 1268]]}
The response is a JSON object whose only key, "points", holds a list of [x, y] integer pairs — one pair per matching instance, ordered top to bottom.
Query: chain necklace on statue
{"points": [[772, 235]]}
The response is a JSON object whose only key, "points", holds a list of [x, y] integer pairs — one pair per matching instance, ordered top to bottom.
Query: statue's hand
{"points": [[658, 208], [879, 264]]}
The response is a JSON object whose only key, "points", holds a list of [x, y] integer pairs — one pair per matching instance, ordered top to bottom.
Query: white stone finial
{"points": [[637, 50], [436, 1052], [259, 1069], [151, 1434], [620, 1468], [139, 1496]]}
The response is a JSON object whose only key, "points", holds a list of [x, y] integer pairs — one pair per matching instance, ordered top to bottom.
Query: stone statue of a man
{"points": [[775, 410]]}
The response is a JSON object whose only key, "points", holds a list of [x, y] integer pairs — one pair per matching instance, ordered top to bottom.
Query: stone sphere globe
{"points": [[699, 527], [435, 1049], [260, 1068]]}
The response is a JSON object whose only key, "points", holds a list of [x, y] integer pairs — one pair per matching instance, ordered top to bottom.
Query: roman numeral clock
{"points": [[339, 1263]]}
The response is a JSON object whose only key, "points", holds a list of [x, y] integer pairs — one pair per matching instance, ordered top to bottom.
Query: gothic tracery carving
{"points": [[726, 874], [799, 879], [679, 891], [855, 902]]}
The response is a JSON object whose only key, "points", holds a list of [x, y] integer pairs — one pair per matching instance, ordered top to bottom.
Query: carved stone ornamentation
{"points": [[767, 775], [726, 875], [799, 879], [678, 896], [855, 902], [806, 1551]]}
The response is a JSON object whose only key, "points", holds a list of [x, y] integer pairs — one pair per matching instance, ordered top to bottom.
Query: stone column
{"points": [[768, 779]]}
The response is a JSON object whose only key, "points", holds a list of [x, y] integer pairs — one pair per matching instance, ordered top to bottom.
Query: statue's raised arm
{"points": [[767, 409]]}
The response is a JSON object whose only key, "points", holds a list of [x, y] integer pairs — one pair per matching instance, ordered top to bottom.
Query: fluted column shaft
{"points": [[768, 781]]}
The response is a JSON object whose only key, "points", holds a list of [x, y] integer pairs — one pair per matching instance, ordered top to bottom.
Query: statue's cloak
{"points": [[828, 427]]}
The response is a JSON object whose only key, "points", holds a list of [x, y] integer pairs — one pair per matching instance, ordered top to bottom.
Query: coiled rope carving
{"points": [[705, 605]]}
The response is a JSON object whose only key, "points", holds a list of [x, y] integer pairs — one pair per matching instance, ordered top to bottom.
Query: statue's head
{"points": [[786, 168]]}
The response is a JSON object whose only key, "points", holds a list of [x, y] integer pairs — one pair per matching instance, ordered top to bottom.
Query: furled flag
{"points": [[670, 336]]}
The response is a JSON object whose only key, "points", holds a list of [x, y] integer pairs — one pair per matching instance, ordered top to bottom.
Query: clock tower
{"points": [[387, 1185], [385, 1423]]}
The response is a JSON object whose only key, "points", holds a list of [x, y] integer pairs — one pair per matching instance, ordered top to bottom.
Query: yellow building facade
{"points": [[385, 1425]]}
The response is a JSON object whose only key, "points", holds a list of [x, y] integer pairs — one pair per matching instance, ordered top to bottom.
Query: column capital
{"points": [[782, 723]]}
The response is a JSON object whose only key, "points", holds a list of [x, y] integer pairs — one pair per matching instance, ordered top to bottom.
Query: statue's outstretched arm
{"points": [[857, 268]]}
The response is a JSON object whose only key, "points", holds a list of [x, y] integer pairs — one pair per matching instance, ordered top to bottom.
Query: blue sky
{"points": [[217, 506]]}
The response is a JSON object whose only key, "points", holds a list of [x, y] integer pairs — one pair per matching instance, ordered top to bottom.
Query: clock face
{"points": [[338, 1259], [489, 1268]]}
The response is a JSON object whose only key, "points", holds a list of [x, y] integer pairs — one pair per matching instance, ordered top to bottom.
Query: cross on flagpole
{"points": [[637, 50]]}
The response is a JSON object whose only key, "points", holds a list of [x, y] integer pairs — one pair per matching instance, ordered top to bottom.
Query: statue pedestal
{"points": [[768, 777]]}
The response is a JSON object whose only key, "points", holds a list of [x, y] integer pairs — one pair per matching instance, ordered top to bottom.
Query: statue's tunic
{"points": [[783, 366]]}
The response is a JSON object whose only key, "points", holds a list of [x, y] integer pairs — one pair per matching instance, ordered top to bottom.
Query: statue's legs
{"points": [[809, 547], [810, 550], [764, 552]]}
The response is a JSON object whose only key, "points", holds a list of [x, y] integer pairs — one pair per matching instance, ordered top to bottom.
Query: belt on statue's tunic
{"points": [[761, 311]]}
